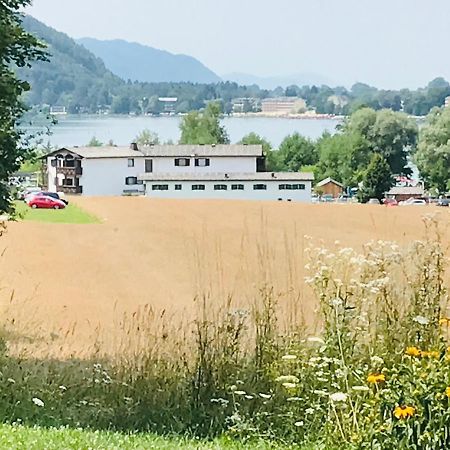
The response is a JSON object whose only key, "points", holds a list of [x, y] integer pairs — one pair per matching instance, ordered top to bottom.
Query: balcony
{"points": [[70, 171], [71, 190]]}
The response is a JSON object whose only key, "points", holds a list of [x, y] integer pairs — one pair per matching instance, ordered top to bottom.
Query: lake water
{"points": [[78, 130]]}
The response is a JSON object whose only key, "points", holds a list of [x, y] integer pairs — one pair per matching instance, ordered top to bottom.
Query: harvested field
{"points": [[72, 284]]}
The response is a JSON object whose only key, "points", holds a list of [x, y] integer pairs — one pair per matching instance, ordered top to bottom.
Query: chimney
{"points": [[134, 146], [226, 175], [273, 175]]}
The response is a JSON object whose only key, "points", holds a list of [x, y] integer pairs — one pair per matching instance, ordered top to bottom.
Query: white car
{"points": [[413, 202]]}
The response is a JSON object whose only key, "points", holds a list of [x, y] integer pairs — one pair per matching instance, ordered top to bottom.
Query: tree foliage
{"points": [[17, 50], [203, 127], [147, 137], [294, 152], [433, 152], [377, 179]]}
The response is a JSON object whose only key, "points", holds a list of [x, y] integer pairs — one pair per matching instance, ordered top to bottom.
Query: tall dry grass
{"points": [[250, 363]]}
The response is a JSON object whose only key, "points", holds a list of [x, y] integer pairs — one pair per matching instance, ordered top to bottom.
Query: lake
{"points": [[122, 130]]}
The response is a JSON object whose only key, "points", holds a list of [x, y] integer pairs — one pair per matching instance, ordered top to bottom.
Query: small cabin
{"points": [[328, 186]]}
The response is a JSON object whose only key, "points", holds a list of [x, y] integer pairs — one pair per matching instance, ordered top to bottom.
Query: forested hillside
{"points": [[74, 77], [81, 82]]}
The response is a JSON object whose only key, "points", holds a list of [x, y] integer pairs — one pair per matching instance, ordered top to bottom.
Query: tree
{"points": [[17, 49], [203, 128], [391, 134], [147, 137], [256, 139], [94, 142], [295, 151], [433, 152], [339, 158], [377, 179]]}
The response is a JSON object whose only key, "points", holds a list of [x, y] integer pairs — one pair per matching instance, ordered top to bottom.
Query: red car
{"points": [[46, 202], [390, 202]]}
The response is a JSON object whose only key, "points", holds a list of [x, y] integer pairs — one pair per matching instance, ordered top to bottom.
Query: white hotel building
{"points": [[173, 171]]}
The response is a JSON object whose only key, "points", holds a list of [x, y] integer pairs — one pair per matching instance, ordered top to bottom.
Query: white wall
{"points": [[223, 164], [51, 175], [106, 176], [272, 193]]}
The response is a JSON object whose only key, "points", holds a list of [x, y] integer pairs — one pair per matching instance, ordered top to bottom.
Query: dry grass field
{"points": [[72, 284]]}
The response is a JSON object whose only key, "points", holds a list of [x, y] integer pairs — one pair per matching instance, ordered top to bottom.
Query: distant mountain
{"points": [[138, 62], [74, 77], [273, 82]]}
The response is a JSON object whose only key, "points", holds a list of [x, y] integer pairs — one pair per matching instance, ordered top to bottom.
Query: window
{"points": [[69, 161], [53, 162], [130, 162], [182, 162], [202, 162], [148, 165], [131, 180], [67, 182], [160, 187], [178, 187], [198, 187], [220, 187], [237, 187], [259, 187], [295, 187]]}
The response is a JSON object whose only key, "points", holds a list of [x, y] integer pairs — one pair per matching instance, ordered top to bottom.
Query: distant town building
{"points": [[447, 102], [169, 104], [245, 105], [283, 105], [58, 110]]}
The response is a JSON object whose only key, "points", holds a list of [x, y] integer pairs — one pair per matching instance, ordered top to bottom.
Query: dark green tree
{"points": [[17, 49], [203, 127], [377, 179]]}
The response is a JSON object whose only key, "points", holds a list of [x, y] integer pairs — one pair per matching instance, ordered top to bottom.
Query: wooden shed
{"points": [[328, 186]]}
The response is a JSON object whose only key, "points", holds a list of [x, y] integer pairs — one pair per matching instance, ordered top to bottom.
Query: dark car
{"points": [[443, 202]]}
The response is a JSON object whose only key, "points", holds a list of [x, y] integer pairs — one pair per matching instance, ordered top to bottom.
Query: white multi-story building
{"points": [[173, 171]]}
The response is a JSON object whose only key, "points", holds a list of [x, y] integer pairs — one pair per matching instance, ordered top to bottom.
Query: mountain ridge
{"points": [[138, 62]]}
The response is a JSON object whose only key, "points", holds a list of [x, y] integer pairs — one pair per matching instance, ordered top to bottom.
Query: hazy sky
{"points": [[387, 43]]}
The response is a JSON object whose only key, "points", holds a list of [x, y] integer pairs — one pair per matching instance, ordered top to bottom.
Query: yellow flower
{"points": [[412, 351], [432, 354], [376, 378], [447, 392], [404, 412]]}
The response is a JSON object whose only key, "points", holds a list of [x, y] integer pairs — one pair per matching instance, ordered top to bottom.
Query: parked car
{"points": [[29, 190], [54, 195], [327, 198], [373, 201], [390, 202], [413, 202], [443, 202], [46, 203]]}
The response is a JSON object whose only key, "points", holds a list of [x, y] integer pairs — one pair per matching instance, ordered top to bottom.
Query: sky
{"points": [[385, 43]]}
